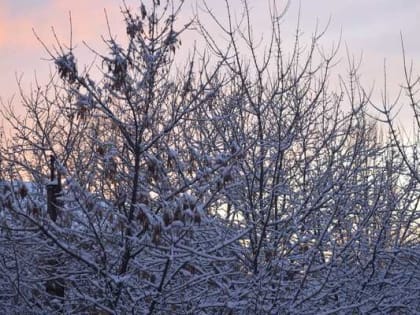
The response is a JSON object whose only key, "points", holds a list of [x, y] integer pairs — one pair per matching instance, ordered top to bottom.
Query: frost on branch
{"points": [[239, 184]]}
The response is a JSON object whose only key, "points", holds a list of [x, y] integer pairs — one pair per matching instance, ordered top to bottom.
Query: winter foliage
{"points": [[238, 184]]}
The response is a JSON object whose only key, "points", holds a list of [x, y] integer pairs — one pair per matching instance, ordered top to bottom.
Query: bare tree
{"points": [[405, 140], [240, 183], [331, 211], [132, 230]]}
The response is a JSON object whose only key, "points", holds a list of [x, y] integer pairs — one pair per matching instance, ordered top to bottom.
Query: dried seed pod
{"points": [[143, 11], [66, 66], [82, 112], [100, 150], [110, 168], [152, 168], [227, 174], [23, 191], [143, 197], [8, 203], [185, 205], [35, 211], [179, 215], [141, 216], [167, 217], [197, 217], [146, 224], [156, 233], [269, 255], [190, 268], [145, 275]]}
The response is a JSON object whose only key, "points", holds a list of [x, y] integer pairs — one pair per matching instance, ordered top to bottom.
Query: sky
{"points": [[368, 27]]}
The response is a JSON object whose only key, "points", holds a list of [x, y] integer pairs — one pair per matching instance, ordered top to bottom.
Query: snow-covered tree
{"points": [[405, 138], [239, 183], [328, 205], [132, 233]]}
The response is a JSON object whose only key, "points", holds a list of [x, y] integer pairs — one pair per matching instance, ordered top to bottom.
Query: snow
{"points": [[251, 192]]}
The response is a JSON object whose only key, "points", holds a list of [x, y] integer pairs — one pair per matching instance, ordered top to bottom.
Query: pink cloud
{"points": [[88, 22], [20, 51]]}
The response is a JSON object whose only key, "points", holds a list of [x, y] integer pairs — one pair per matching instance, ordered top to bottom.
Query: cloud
{"points": [[17, 20], [372, 27], [20, 52]]}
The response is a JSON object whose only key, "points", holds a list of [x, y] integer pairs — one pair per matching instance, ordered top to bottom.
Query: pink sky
{"points": [[370, 26], [21, 53]]}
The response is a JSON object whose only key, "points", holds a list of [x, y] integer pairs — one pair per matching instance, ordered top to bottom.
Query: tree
{"points": [[389, 112], [241, 184], [325, 197], [133, 216]]}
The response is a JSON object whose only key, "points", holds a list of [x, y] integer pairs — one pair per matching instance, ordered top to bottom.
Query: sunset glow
{"points": [[372, 29]]}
